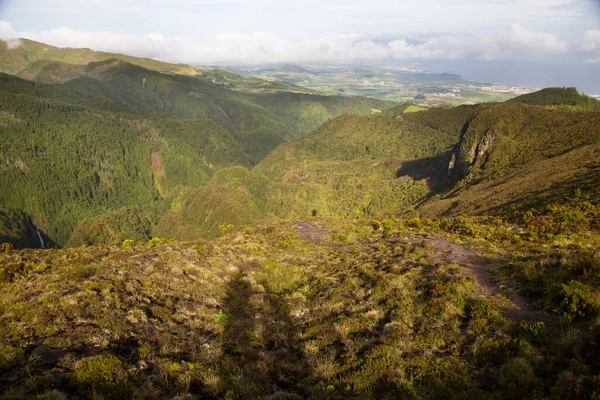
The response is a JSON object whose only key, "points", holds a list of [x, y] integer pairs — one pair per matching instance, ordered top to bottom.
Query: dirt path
{"points": [[309, 231], [471, 263], [480, 268]]}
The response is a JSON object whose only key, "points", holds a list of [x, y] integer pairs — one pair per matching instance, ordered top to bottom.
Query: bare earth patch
{"points": [[481, 269]]}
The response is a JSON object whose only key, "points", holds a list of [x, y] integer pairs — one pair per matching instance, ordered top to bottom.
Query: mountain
{"points": [[17, 58], [114, 134], [474, 160], [437, 253]]}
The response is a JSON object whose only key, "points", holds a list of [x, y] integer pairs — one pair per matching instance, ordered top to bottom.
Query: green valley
{"points": [[116, 135]]}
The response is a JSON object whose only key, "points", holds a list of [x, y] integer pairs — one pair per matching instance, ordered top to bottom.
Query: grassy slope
{"points": [[15, 60], [535, 185], [321, 309]]}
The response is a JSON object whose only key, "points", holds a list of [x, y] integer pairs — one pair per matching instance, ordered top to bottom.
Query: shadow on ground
{"points": [[261, 353]]}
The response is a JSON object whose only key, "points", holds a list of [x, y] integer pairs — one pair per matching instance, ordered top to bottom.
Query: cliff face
{"points": [[509, 136], [470, 153]]}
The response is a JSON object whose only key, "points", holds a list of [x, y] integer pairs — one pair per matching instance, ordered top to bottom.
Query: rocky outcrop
{"points": [[470, 151]]}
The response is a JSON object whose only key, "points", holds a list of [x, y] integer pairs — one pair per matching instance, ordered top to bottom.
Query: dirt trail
{"points": [[309, 231], [471, 263], [480, 268]]}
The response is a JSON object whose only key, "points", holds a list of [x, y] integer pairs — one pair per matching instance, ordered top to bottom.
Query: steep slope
{"points": [[22, 53], [259, 121], [186, 130], [509, 136], [518, 156], [466, 160], [61, 163], [349, 166], [352, 166], [234, 196]]}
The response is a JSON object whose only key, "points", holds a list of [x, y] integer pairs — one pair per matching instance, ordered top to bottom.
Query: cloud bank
{"points": [[265, 48]]}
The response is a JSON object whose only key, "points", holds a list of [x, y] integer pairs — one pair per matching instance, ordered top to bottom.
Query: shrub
{"points": [[414, 222], [376, 225], [461, 225], [225, 228], [156, 240], [128, 243], [6, 247], [579, 301], [222, 317], [8, 356], [103, 375], [516, 378], [51, 395]]}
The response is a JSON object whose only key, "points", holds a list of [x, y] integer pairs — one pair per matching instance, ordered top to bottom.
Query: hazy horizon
{"points": [[533, 43]]}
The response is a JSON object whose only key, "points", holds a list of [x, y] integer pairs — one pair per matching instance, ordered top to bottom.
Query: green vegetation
{"points": [[562, 98], [402, 109], [116, 135], [463, 160], [310, 285], [321, 309]]}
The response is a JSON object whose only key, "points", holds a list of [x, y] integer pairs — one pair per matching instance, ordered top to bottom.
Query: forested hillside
{"points": [[565, 98], [115, 135], [462, 160]]}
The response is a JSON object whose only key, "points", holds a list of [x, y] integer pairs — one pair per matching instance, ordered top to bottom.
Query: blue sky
{"points": [[247, 32]]}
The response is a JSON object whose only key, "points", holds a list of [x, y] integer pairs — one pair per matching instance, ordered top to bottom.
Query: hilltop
{"points": [[21, 57], [564, 98]]}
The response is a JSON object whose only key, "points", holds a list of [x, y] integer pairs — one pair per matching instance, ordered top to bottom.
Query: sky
{"points": [[465, 36]]}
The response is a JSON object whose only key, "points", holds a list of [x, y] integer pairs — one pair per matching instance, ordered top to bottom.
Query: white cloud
{"points": [[7, 31], [590, 44], [262, 48]]}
